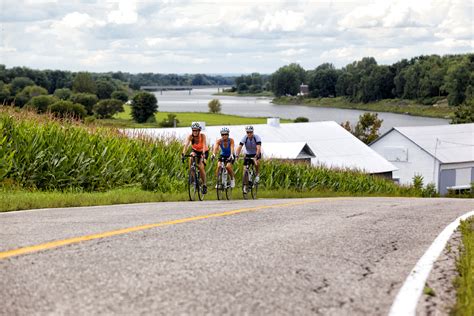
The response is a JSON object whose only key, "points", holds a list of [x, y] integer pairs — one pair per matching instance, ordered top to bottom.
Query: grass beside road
{"points": [[389, 105], [124, 119], [15, 200], [464, 283]]}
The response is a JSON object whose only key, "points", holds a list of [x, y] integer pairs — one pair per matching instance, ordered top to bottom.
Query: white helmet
{"points": [[196, 125], [249, 128], [225, 130]]}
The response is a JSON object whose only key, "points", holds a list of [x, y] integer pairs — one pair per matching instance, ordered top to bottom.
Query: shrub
{"points": [[19, 83], [63, 94], [120, 95], [88, 100], [40, 103], [144, 106], [214, 106], [107, 108], [64, 109], [301, 119], [169, 121], [418, 181]]}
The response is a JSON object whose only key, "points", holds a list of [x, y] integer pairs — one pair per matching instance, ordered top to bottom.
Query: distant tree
{"points": [[198, 80], [287, 80], [457, 81], [322, 82], [20, 83], [83, 83], [242, 87], [105, 88], [255, 88], [5, 93], [27, 93], [63, 93], [120, 95], [88, 100], [41, 103], [144, 106], [214, 106], [107, 108], [66, 109], [464, 113], [367, 128]]}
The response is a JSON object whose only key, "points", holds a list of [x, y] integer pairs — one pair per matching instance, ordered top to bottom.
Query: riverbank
{"points": [[388, 105], [124, 119]]}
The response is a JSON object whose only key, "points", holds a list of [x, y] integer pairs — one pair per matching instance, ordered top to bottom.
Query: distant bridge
{"points": [[188, 88]]}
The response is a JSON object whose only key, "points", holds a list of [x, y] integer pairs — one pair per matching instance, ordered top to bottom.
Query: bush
{"points": [[19, 83], [242, 87], [27, 93], [63, 94], [120, 95], [88, 100], [40, 103], [144, 106], [214, 106], [107, 108], [65, 109], [464, 113], [301, 119], [169, 121]]}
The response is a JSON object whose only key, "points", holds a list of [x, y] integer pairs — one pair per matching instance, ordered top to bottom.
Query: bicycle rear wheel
{"points": [[220, 188], [192, 190]]}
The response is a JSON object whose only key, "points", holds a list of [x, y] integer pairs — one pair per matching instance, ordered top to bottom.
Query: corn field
{"points": [[39, 152]]}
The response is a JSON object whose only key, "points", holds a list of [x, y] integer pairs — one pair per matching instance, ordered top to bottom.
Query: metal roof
{"points": [[447, 143], [332, 145], [288, 150]]}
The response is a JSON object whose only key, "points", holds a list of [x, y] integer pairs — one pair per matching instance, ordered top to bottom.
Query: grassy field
{"points": [[390, 105], [124, 119], [464, 283]]}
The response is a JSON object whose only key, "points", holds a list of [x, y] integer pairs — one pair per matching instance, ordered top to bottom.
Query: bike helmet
{"points": [[196, 125], [249, 128], [225, 130]]}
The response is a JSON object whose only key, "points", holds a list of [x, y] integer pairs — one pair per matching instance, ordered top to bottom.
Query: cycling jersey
{"points": [[251, 144], [198, 145], [225, 151]]}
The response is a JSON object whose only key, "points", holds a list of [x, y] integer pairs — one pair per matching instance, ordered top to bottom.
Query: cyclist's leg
{"points": [[202, 171]]}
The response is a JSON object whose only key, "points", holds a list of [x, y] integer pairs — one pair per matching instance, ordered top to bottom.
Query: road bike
{"points": [[194, 180], [223, 180], [248, 181]]}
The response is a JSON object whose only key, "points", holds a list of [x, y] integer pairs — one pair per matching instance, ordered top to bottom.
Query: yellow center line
{"points": [[75, 240]]}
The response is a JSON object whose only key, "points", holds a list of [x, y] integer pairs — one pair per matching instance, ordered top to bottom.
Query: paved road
{"points": [[345, 256]]}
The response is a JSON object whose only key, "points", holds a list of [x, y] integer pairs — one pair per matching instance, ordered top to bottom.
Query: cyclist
{"points": [[198, 143], [226, 144], [253, 146]]}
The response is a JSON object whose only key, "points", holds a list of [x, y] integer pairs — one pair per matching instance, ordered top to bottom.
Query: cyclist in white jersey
{"points": [[253, 146]]}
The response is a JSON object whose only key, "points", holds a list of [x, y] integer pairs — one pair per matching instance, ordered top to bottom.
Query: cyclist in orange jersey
{"points": [[198, 143]]}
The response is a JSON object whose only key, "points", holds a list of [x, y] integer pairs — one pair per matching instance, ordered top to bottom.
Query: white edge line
{"points": [[407, 298]]}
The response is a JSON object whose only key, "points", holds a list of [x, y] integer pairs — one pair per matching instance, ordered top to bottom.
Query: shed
{"points": [[331, 144], [442, 154]]}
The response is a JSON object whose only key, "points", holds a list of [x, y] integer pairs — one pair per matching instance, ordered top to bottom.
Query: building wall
{"points": [[408, 157], [459, 174]]}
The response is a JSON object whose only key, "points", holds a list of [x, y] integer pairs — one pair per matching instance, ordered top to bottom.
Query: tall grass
{"points": [[42, 153]]}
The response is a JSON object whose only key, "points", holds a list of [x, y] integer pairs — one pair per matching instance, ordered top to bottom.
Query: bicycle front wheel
{"points": [[245, 184], [220, 187], [254, 189], [192, 190]]}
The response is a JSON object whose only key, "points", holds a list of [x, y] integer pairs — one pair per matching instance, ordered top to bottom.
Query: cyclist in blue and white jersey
{"points": [[226, 145], [253, 146]]}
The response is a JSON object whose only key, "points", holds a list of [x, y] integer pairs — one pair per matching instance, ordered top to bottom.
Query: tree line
{"points": [[423, 78]]}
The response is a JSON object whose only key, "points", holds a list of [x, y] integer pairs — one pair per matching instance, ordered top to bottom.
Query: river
{"points": [[182, 101]]}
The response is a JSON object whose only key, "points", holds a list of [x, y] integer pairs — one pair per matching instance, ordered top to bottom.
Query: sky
{"points": [[226, 36]]}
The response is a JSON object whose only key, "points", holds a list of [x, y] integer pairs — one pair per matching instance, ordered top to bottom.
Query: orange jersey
{"points": [[198, 144]]}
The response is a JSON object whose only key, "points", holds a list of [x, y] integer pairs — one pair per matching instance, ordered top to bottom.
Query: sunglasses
{"points": [[195, 130], [249, 132], [224, 134]]}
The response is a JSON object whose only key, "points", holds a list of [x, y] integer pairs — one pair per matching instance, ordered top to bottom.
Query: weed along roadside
{"points": [[40, 155]]}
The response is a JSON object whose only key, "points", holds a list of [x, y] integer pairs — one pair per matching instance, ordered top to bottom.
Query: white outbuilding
{"points": [[325, 143], [443, 154]]}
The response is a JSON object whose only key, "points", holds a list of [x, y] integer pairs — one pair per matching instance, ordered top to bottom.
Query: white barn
{"points": [[326, 143], [443, 154]]}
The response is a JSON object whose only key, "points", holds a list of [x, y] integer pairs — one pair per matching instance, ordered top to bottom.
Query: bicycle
{"points": [[194, 180], [223, 181], [248, 183]]}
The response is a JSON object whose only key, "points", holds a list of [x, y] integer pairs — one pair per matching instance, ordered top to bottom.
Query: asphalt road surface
{"points": [[346, 256]]}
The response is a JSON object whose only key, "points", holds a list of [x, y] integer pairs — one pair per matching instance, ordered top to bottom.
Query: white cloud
{"points": [[126, 13]]}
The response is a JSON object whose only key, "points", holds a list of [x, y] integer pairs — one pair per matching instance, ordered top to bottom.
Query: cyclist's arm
{"points": [[259, 146], [216, 147], [239, 149], [232, 152]]}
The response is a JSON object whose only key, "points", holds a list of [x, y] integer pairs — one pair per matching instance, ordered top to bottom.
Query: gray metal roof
{"points": [[447, 143], [332, 145], [287, 150]]}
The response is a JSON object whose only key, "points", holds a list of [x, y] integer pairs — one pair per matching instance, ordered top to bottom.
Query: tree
{"points": [[287, 80], [323, 81], [457, 82], [19, 83], [83, 83], [242, 87], [105, 88], [27, 93], [63, 93], [120, 95], [88, 100], [41, 103], [144, 106], [214, 106], [107, 108], [65, 109], [464, 113], [301, 119], [170, 121], [367, 129]]}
